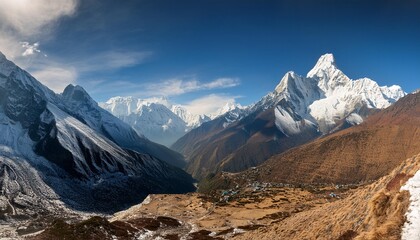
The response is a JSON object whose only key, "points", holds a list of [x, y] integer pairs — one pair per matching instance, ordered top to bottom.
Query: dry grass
{"points": [[247, 210], [374, 211], [386, 216]]}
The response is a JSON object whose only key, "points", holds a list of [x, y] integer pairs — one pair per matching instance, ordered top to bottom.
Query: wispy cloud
{"points": [[111, 60], [56, 77], [173, 87], [166, 88], [209, 104]]}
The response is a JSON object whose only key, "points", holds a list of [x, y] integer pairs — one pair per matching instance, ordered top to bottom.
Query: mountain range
{"points": [[299, 110], [158, 119], [319, 147], [62, 151]]}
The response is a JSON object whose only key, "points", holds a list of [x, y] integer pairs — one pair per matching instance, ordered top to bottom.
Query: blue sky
{"points": [[208, 52]]}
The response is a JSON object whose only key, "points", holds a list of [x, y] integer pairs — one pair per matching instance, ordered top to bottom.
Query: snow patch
{"points": [[354, 119], [411, 230]]}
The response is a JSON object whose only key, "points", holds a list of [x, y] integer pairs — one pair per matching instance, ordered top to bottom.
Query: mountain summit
{"points": [[326, 63], [297, 111]]}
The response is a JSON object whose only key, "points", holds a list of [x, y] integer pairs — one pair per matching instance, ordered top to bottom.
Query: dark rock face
{"points": [[23, 104], [50, 148]]}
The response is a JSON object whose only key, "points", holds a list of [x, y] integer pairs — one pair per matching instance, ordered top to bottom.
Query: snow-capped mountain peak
{"points": [[325, 63], [6, 66], [328, 75], [22, 78], [285, 82], [393, 92], [77, 94], [324, 97], [157, 100], [124, 106], [229, 106], [156, 118], [191, 120]]}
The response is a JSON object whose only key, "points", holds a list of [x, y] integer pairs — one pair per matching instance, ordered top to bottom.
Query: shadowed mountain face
{"points": [[85, 109], [300, 109], [245, 144], [57, 149], [361, 153]]}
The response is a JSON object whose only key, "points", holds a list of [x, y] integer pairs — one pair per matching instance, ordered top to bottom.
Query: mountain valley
{"points": [[209, 120], [318, 148]]}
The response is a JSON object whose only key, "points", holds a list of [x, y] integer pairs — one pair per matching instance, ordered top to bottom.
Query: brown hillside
{"points": [[361, 153], [375, 211]]}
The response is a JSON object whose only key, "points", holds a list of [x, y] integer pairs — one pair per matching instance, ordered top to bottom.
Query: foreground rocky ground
{"points": [[374, 210], [220, 215]]}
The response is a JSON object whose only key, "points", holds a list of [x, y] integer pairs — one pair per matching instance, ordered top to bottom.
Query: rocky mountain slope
{"points": [[299, 110], [61, 152]]}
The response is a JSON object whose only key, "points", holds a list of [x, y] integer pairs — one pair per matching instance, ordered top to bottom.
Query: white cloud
{"points": [[30, 17], [23, 20], [26, 21], [30, 49], [56, 78], [173, 87], [167, 88], [209, 104]]}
